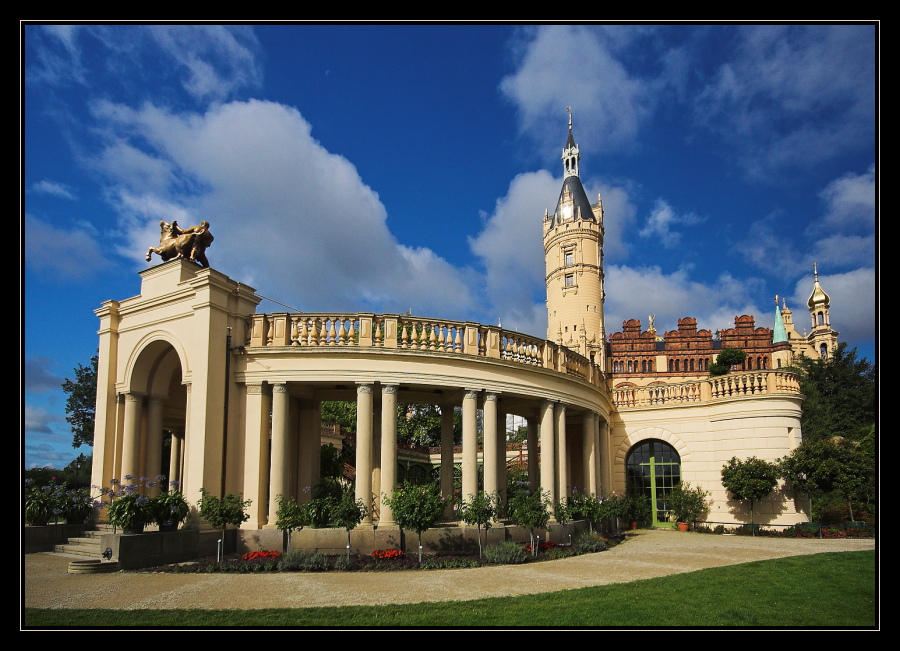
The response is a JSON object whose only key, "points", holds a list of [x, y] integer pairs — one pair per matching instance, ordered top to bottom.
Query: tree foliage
{"points": [[725, 360], [840, 395], [81, 403], [837, 464], [751, 479], [416, 507], [230, 509], [479, 510]]}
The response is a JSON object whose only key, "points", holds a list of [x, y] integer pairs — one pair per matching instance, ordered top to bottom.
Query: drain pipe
{"points": [[225, 415]]}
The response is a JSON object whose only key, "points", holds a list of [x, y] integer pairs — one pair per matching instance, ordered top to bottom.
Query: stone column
{"points": [[364, 417], [131, 438], [470, 444], [548, 450], [388, 452], [309, 453], [562, 453], [256, 454], [376, 456], [175, 457], [501, 457], [605, 458], [447, 459], [588, 460], [489, 461], [153, 465], [598, 471], [278, 473], [534, 477]]}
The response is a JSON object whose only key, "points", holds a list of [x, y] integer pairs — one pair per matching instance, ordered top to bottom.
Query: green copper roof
{"points": [[778, 332]]}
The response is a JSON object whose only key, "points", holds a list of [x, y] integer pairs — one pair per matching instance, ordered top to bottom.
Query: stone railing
{"points": [[436, 336], [733, 385]]}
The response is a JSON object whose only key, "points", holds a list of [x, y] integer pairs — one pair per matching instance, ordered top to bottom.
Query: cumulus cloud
{"points": [[562, 65], [850, 202], [284, 210], [661, 222], [636, 293], [852, 304]]}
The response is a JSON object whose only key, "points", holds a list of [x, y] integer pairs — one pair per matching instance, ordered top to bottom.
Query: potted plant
{"points": [[687, 504], [170, 508], [128, 509], [638, 509]]}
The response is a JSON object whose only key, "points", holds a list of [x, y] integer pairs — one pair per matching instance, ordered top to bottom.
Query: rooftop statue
{"points": [[176, 242]]}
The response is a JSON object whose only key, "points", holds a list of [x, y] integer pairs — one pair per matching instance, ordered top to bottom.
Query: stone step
{"points": [[92, 551], [94, 566]]}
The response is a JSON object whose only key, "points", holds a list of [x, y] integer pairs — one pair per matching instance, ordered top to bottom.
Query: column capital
{"points": [[280, 387], [364, 388], [389, 388], [254, 389], [471, 394]]}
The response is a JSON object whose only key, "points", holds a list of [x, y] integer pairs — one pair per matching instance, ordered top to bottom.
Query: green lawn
{"points": [[822, 590]]}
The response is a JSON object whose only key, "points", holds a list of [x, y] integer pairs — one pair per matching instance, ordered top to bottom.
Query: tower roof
{"points": [[573, 202], [818, 298], [779, 334]]}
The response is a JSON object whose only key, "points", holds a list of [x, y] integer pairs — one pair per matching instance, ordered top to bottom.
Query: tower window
{"points": [[569, 258], [570, 280]]}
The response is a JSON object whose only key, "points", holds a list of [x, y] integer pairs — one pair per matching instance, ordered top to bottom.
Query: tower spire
{"points": [[570, 155]]}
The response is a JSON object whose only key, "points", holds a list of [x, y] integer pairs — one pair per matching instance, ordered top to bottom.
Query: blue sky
{"points": [[386, 168]]}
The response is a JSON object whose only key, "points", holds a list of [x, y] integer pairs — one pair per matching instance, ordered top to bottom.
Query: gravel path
{"points": [[648, 554]]}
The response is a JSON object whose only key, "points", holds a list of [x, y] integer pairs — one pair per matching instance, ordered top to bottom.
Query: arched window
{"points": [[653, 468]]}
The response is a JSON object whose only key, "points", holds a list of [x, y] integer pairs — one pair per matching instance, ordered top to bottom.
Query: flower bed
{"points": [[381, 560]]}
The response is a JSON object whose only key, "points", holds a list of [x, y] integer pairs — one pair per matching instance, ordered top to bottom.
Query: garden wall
{"points": [[45, 538]]}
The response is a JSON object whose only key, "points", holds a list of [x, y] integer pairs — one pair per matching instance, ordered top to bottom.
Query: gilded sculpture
{"points": [[176, 242]]}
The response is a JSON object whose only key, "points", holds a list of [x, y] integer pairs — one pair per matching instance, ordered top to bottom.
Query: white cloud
{"points": [[211, 62], [573, 65], [53, 189], [850, 202], [287, 215], [662, 220], [635, 293], [852, 303]]}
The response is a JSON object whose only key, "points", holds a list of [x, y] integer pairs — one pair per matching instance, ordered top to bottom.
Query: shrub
{"points": [[588, 543], [505, 553], [303, 561]]}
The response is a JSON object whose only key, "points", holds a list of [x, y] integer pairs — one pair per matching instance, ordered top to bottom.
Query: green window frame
{"points": [[653, 468]]}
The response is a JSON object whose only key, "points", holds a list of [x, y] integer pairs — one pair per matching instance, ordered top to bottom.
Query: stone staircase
{"points": [[87, 546]]}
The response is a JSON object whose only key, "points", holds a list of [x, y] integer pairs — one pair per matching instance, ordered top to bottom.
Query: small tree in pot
{"points": [[688, 504]]}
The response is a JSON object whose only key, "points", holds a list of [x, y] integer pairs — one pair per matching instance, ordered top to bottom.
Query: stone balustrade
{"points": [[408, 333], [733, 385]]}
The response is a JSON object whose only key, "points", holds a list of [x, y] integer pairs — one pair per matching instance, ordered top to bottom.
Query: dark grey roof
{"points": [[580, 200]]}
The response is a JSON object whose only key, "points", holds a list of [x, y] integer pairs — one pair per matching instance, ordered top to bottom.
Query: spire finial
{"points": [[569, 110], [816, 270], [776, 300]]}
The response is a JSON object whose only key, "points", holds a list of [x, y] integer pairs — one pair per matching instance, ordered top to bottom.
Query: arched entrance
{"points": [[653, 468]]}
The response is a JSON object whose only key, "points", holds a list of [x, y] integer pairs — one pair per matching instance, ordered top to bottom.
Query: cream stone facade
{"points": [[240, 391]]}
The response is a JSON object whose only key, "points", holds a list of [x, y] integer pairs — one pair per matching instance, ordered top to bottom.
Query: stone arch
{"points": [[145, 359], [154, 376], [647, 433]]}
